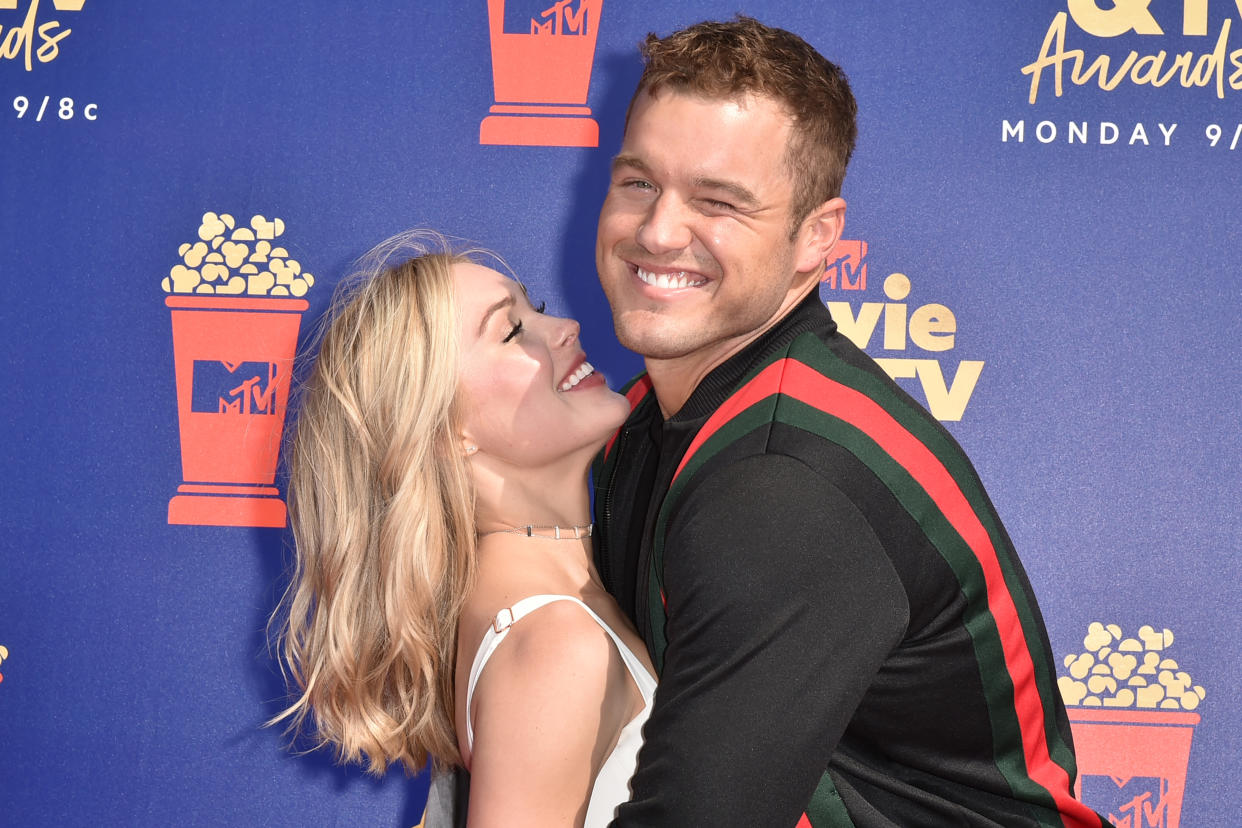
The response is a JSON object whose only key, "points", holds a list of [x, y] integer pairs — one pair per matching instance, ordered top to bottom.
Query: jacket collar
{"points": [[808, 315]]}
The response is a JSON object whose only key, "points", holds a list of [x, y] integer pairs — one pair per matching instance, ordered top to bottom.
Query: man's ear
{"points": [[818, 234]]}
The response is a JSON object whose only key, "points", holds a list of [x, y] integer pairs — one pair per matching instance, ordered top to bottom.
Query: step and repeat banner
{"points": [[1042, 244]]}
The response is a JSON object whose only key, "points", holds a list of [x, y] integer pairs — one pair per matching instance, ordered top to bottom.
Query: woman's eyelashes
{"points": [[516, 330]]}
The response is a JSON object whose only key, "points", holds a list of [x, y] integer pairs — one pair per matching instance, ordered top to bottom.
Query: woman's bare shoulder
{"points": [[556, 644], [547, 710]]}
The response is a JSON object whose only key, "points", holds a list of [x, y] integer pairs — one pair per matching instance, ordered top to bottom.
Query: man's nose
{"points": [[664, 229]]}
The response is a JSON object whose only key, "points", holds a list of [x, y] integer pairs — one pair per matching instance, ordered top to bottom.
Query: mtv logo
{"points": [[563, 17], [846, 268], [234, 388], [1137, 802]]}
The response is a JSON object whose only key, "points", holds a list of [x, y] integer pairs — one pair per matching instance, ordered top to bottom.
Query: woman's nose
{"points": [[566, 332]]}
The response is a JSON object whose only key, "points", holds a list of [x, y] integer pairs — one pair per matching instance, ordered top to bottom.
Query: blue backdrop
{"points": [[1074, 230]]}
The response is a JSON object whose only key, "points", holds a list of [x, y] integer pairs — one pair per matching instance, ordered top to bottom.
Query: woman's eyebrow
{"points": [[495, 306]]}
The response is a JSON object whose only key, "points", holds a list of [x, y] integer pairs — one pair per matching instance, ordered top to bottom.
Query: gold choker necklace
{"points": [[557, 532]]}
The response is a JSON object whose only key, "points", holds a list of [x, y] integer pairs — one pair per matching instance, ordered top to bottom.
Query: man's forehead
{"points": [[744, 100], [751, 112], [730, 146]]}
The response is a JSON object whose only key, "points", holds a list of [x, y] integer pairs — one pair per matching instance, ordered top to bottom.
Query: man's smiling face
{"points": [[694, 249]]}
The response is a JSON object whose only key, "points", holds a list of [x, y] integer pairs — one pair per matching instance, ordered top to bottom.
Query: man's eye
{"points": [[720, 205], [513, 332]]}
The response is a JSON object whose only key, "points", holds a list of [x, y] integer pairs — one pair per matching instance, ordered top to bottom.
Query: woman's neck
{"points": [[532, 497]]}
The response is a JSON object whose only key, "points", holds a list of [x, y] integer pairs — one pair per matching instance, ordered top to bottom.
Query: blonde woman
{"points": [[444, 602]]}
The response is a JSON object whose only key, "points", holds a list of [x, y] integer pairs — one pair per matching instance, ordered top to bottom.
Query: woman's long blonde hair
{"points": [[382, 511]]}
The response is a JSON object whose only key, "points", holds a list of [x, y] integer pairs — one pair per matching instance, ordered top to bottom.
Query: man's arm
{"points": [[781, 608]]}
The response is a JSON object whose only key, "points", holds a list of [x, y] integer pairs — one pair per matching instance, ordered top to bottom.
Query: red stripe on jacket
{"points": [[800, 382], [635, 394]]}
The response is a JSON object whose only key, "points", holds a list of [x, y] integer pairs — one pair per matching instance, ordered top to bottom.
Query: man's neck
{"points": [[675, 380]]}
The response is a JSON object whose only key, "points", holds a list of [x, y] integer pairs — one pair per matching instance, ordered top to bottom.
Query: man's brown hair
{"points": [[743, 56]]}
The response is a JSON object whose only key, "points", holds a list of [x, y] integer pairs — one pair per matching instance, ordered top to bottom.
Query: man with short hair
{"points": [[843, 631]]}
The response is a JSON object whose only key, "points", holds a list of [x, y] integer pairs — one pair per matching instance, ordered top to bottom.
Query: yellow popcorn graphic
{"points": [[229, 260], [1119, 671]]}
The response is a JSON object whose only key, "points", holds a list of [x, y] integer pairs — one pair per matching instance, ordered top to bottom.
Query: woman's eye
{"points": [[543, 306], [513, 332]]}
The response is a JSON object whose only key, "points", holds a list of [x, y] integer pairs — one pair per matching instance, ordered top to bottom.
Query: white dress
{"points": [[612, 784]]}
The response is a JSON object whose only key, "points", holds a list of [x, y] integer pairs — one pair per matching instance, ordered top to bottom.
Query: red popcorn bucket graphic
{"points": [[541, 77], [234, 357], [1124, 745]]}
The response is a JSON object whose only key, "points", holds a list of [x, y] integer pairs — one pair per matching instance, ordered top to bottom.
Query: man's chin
{"points": [[651, 343]]}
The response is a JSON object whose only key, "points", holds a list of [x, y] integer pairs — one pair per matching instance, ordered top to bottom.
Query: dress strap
{"points": [[509, 616]]}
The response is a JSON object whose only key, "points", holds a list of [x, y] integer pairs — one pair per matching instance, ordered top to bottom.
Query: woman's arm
{"points": [[547, 711]]}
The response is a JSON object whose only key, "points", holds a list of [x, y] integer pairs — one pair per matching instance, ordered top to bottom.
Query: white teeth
{"points": [[668, 281], [584, 370]]}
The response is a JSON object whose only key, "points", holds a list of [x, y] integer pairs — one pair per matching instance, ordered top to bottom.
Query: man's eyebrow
{"points": [[630, 161], [739, 192], [495, 306]]}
